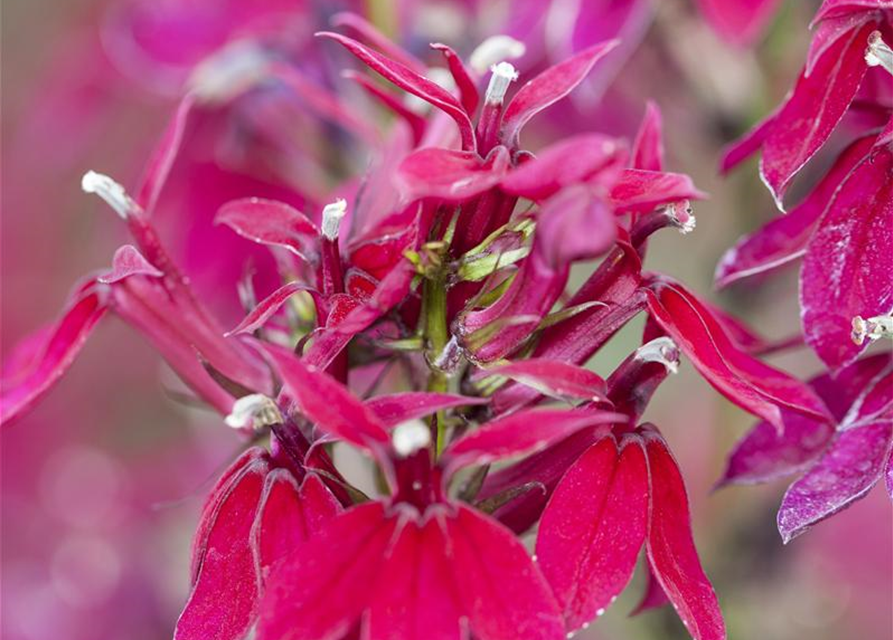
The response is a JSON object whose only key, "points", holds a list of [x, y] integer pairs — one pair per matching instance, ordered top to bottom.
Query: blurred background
{"points": [[102, 483]]}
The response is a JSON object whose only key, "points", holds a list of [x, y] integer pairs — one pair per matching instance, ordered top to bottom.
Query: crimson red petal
{"points": [[648, 146], [451, 175], [640, 189], [270, 222], [267, 307], [552, 377], [392, 409], [671, 549]]}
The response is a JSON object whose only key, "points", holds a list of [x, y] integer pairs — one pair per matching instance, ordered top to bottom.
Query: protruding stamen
{"points": [[493, 50], [878, 53], [232, 70], [503, 74], [110, 191], [681, 214], [332, 215], [872, 329], [662, 350], [255, 410], [409, 437]]}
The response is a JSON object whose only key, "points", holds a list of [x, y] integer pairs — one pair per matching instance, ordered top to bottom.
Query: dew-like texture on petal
{"points": [[838, 8], [738, 21], [410, 81], [548, 88], [813, 110], [450, 175], [271, 222], [785, 238], [846, 271], [50, 354], [552, 377], [746, 381], [326, 402], [394, 408], [522, 433], [848, 470], [593, 528], [671, 548], [320, 590], [503, 592], [224, 600]]}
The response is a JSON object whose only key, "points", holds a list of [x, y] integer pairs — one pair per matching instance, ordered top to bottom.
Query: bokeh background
{"points": [[102, 483]]}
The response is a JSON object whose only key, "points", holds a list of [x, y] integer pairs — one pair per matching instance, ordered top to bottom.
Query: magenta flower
{"points": [[842, 228]]}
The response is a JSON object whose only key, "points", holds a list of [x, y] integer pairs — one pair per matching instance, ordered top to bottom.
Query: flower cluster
{"points": [[448, 262]]}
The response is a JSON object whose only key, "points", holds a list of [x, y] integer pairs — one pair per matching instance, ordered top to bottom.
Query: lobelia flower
{"points": [[842, 228], [840, 461]]}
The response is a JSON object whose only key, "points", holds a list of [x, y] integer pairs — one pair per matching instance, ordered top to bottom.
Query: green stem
{"points": [[436, 335]]}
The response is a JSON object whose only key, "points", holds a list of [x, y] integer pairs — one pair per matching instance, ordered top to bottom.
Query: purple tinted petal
{"points": [[838, 8], [828, 32], [548, 88], [468, 92], [813, 110], [451, 175], [639, 189], [270, 222], [574, 224], [848, 261], [850, 468], [593, 528], [671, 548]]}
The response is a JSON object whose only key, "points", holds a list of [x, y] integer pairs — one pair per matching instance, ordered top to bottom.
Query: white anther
{"points": [[493, 50], [878, 52], [229, 72], [503, 74], [110, 191], [332, 215], [682, 216], [872, 329], [662, 350], [255, 410], [411, 436]]}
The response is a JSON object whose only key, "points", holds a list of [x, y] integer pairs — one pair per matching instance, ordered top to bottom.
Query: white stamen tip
{"points": [[495, 49], [878, 53], [503, 74], [110, 191], [332, 215], [683, 218], [872, 329], [662, 350], [255, 410], [411, 436]]}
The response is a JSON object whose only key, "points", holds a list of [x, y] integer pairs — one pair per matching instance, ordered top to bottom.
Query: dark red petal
{"points": [[838, 8], [412, 82], [548, 88], [468, 92], [816, 105], [747, 145], [648, 147], [162, 159], [569, 161], [450, 175], [639, 189], [270, 222], [574, 224], [784, 238], [846, 271], [267, 307], [51, 357], [552, 377], [749, 383], [326, 402], [395, 408], [521, 433], [850, 468], [593, 527], [671, 549], [320, 590], [503, 593], [654, 596], [223, 602]]}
